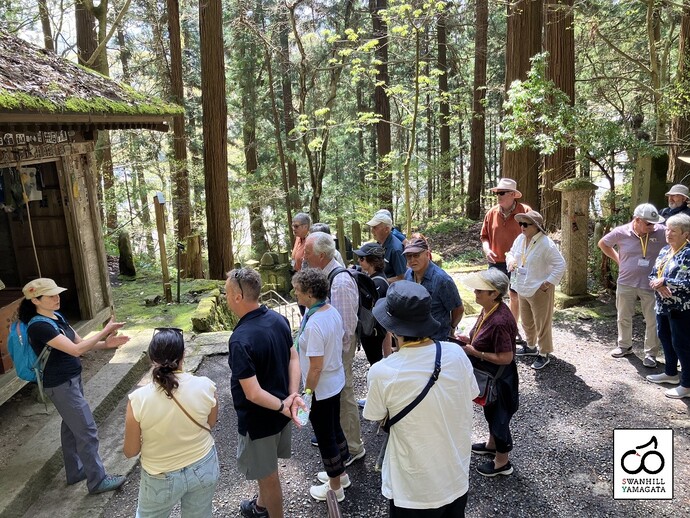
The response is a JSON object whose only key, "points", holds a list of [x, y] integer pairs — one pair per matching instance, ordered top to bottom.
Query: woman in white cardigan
{"points": [[537, 267]]}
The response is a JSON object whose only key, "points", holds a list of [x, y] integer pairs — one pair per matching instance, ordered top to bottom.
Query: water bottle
{"points": [[302, 414]]}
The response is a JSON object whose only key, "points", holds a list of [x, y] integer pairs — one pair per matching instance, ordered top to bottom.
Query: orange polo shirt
{"points": [[500, 232], [298, 252]]}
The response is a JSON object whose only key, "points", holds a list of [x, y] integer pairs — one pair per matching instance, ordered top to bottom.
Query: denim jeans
{"points": [[673, 329], [193, 486]]}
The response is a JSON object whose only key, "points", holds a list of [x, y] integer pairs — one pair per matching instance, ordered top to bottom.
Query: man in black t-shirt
{"points": [[265, 379]]}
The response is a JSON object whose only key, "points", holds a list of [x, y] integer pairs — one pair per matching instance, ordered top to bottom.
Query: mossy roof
{"points": [[40, 88]]}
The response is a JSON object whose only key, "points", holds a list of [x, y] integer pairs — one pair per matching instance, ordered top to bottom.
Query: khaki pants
{"points": [[626, 297], [536, 313], [349, 411]]}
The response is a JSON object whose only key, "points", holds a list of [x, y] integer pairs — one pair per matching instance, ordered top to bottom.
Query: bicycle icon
{"points": [[643, 459]]}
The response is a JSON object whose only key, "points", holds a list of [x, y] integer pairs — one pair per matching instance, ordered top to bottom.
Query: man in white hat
{"points": [[677, 201], [381, 226], [500, 229], [396, 233], [638, 243]]}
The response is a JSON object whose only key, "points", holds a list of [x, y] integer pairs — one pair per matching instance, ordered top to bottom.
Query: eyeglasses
{"points": [[501, 193], [297, 225], [525, 225], [413, 256], [361, 258], [237, 275], [483, 291], [173, 329]]}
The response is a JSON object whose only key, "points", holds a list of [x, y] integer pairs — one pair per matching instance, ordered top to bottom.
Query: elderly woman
{"points": [[370, 257], [537, 268], [670, 280], [319, 343], [490, 345]]}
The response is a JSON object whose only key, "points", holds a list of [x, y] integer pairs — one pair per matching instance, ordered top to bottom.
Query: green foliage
{"points": [[447, 226]]}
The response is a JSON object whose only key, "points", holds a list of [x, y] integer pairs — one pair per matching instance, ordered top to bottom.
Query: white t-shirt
{"points": [[323, 336], [170, 441], [427, 460]]}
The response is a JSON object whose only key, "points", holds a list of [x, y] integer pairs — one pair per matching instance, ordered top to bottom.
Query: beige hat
{"points": [[507, 184], [678, 189], [380, 217], [531, 217], [475, 281], [40, 287]]}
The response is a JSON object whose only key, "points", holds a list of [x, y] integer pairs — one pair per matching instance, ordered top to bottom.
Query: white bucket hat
{"points": [[507, 184]]}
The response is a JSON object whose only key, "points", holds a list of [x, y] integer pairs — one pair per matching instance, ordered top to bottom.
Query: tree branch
{"points": [[102, 44]]}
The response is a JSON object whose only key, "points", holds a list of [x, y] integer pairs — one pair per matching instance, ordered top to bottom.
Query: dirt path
{"points": [[563, 435]]}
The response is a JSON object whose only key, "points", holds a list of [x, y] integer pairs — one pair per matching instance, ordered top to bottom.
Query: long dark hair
{"points": [[27, 310], [166, 351]]}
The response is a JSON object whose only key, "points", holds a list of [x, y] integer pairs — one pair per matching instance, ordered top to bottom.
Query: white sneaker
{"points": [[619, 352], [664, 378], [678, 392], [353, 458], [344, 479], [319, 492]]}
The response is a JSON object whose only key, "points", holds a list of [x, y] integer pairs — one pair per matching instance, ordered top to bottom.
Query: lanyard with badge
{"points": [[526, 250], [669, 261], [644, 262]]}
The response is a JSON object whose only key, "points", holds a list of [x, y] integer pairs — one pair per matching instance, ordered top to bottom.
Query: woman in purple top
{"points": [[491, 345]]}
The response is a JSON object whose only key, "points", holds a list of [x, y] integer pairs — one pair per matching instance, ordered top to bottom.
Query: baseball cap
{"points": [[648, 212], [380, 217], [416, 245], [369, 249], [40, 287]]}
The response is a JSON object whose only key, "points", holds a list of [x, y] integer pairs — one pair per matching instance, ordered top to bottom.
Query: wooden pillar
{"points": [[575, 195], [159, 205], [340, 233], [356, 235]]}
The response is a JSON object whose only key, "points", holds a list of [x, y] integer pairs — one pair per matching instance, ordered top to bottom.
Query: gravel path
{"points": [[563, 436]]}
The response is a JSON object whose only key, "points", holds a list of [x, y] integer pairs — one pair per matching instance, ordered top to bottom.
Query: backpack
{"points": [[368, 295], [27, 365]]}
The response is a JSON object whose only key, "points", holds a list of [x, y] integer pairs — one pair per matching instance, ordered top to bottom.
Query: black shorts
{"points": [[504, 268]]}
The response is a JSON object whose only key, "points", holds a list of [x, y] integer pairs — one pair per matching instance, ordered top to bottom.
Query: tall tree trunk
{"points": [[43, 13], [86, 16], [559, 39], [523, 42], [382, 104], [444, 107], [288, 115], [215, 116], [680, 126], [478, 130], [181, 171]]}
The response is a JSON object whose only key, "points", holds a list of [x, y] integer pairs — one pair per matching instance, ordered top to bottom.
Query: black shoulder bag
{"points": [[390, 421]]}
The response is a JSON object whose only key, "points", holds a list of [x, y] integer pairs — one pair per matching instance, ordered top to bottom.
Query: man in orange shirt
{"points": [[301, 223], [500, 229]]}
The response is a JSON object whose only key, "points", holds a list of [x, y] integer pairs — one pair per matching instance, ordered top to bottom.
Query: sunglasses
{"points": [[501, 193], [523, 224], [413, 256], [237, 275], [173, 329]]}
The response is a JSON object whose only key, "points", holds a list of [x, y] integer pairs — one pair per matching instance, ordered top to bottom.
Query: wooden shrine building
{"points": [[50, 113]]}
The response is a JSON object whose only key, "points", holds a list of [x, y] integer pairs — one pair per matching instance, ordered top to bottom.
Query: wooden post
{"points": [[575, 195], [159, 205], [340, 233], [356, 235], [194, 257]]}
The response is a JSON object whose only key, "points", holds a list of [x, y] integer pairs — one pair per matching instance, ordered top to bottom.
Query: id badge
{"points": [[643, 262], [521, 270]]}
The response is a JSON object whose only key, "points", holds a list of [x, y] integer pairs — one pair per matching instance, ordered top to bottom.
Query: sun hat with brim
{"points": [[507, 184], [679, 189], [648, 213], [531, 216], [379, 217], [416, 245], [370, 249], [475, 281], [41, 287], [406, 310]]}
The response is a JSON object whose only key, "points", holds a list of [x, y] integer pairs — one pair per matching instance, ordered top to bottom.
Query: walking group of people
{"points": [[421, 381]]}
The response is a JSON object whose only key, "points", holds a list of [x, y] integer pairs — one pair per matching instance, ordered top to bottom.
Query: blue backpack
{"points": [[27, 365]]}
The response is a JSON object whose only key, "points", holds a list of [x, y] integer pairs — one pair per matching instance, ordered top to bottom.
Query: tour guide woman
{"points": [[670, 280], [319, 343], [491, 344], [63, 385], [169, 421]]}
